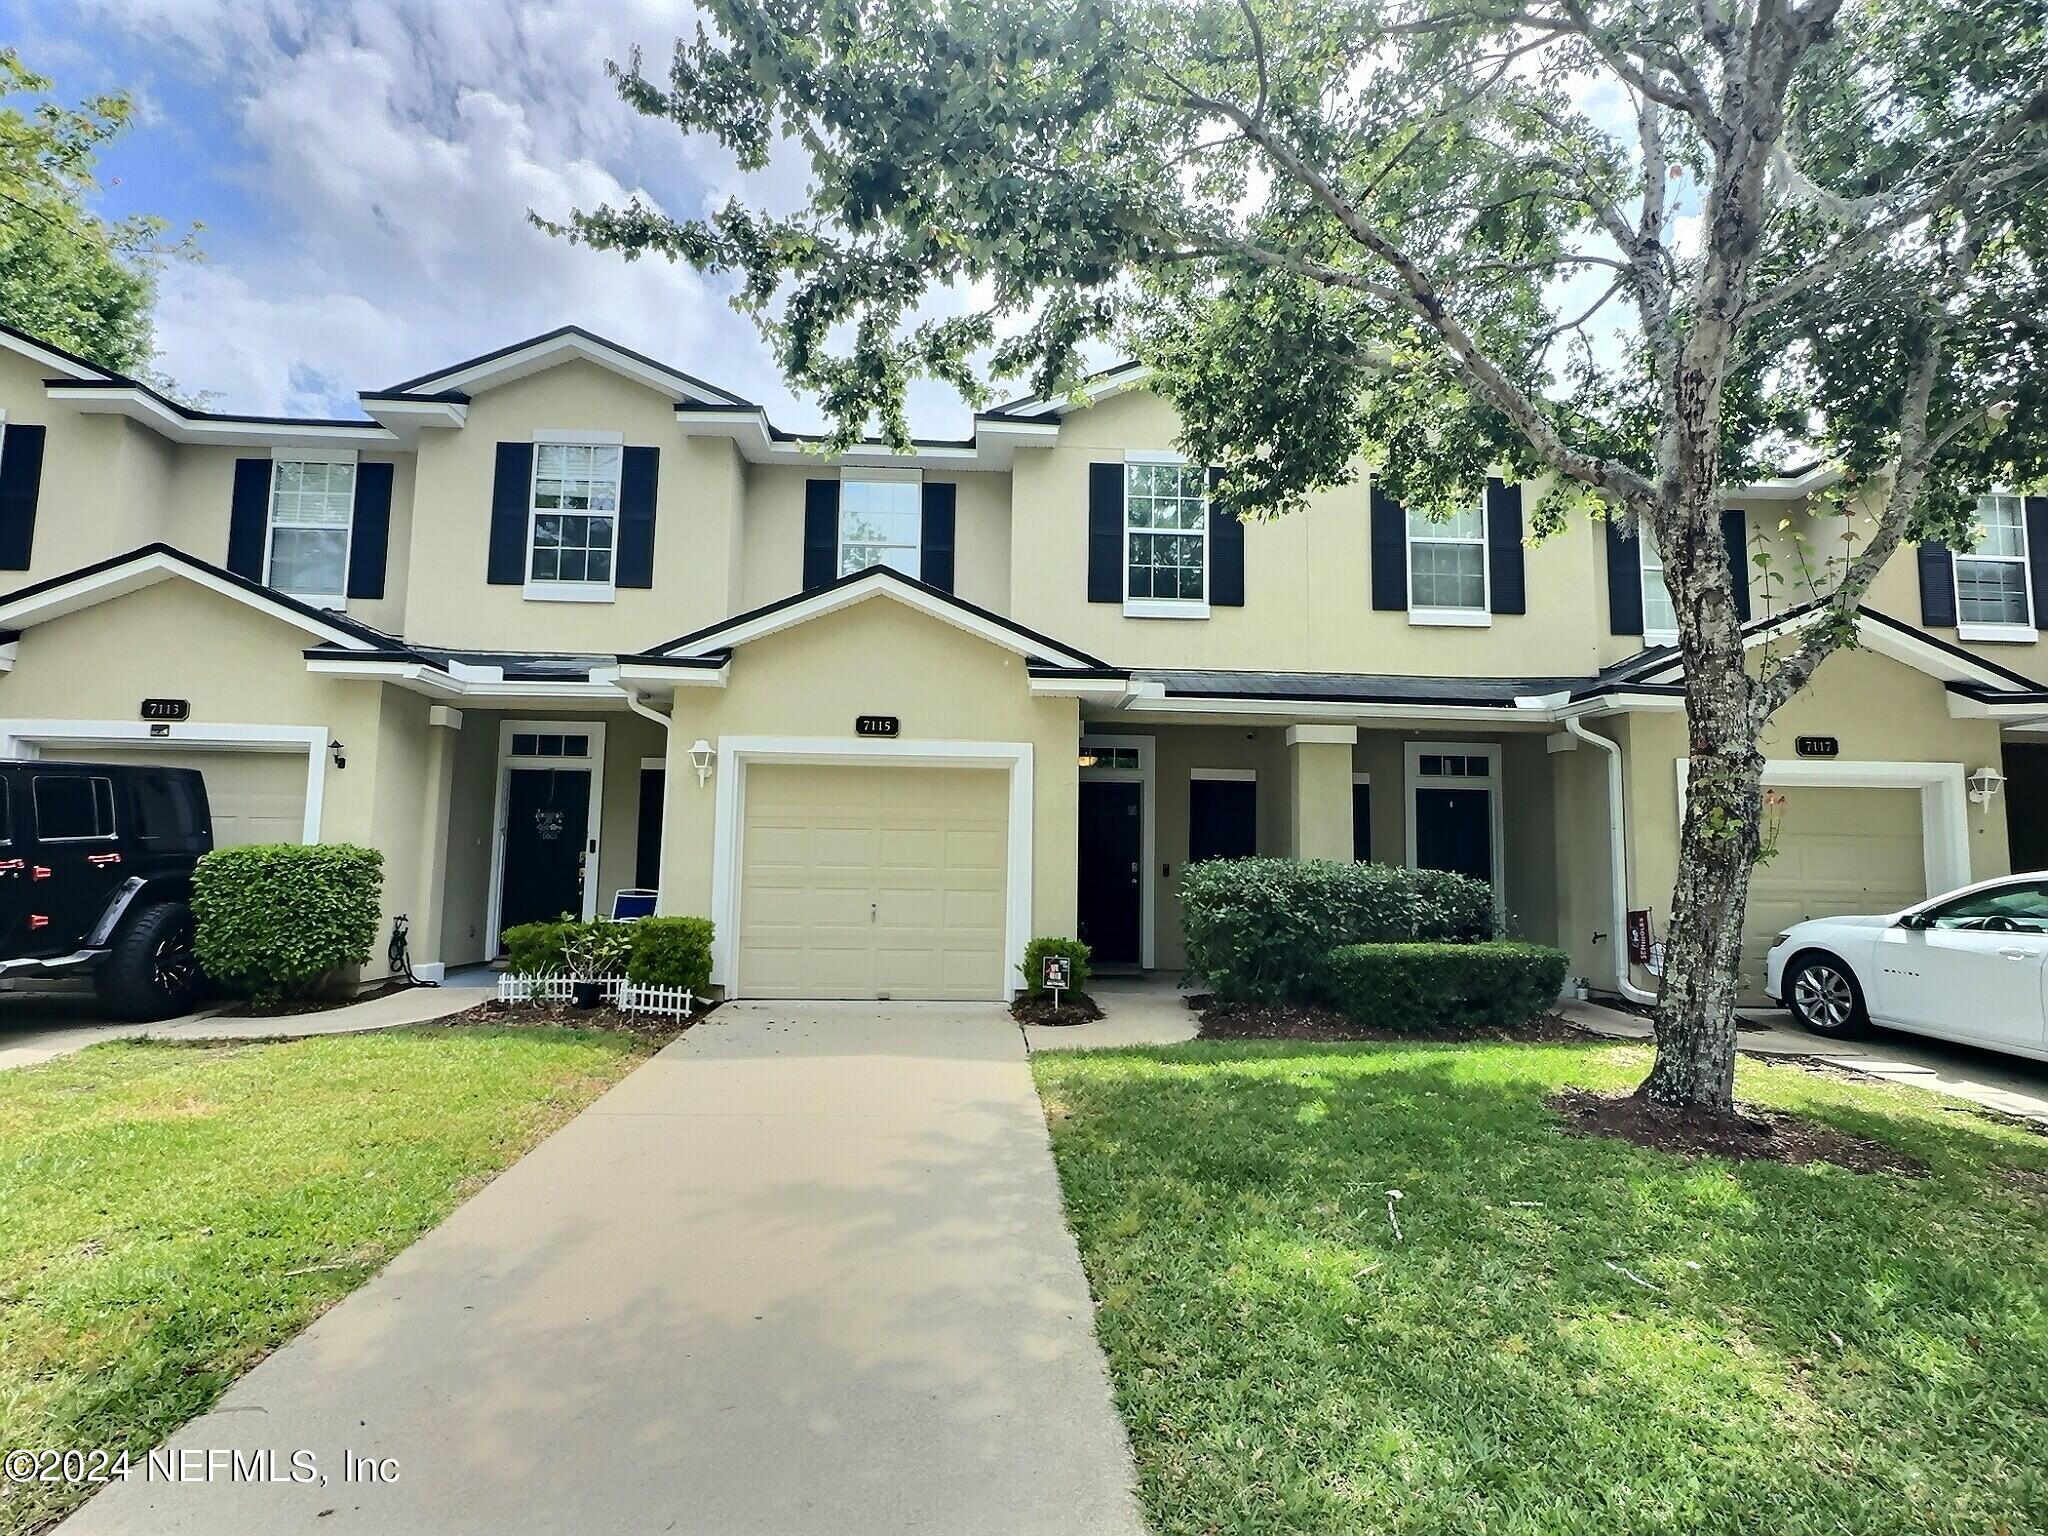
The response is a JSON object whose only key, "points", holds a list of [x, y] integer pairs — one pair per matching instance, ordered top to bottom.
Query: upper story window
{"points": [[312, 505], [575, 520], [881, 522], [1166, 539], [1447, 568], [1994, 589], [1660, 619]]}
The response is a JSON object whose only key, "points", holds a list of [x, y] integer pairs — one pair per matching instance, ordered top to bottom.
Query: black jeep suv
{"points": [[96, 879]]}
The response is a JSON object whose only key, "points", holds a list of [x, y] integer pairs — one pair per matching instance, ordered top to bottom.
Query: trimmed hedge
{"points": [[273, 920], [1258, 929], [536, 949], [671, 952], [1033, 968], [1419, 987]]}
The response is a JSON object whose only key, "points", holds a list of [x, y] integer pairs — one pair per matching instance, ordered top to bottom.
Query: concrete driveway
{"points": [[805, 1271]]}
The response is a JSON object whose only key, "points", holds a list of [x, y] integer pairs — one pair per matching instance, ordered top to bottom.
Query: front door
{"points": [[547, 825], [1454, 831], [1111, 866]]}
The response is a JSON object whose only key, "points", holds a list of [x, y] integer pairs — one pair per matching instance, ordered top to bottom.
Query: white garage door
{"points": [[257, 797], [1840, 852], [873, 882]]}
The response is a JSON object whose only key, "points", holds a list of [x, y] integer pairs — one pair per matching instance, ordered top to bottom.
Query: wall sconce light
{"points": [[340, 754], [700, 759], [1984, 785]]}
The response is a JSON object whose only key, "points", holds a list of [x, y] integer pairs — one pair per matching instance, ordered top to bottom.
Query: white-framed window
{"points": [[312, 508], [881, 521], [1166, 537], [572, 540], [1447, 574], [1994, 588], [1660, 619]]}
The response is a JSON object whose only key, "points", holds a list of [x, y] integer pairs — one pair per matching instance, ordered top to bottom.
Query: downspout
{"points": [[665, 722], [1617, 858]]}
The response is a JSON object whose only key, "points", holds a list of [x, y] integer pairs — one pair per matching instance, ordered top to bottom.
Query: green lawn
{"points": [[169, 1214], [1817, 1351]]}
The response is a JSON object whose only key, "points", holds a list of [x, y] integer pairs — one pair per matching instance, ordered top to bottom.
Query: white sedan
{"points": [[1969, 966]]}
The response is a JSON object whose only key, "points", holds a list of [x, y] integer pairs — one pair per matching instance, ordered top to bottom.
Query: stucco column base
{"points": [[1319, 781]]}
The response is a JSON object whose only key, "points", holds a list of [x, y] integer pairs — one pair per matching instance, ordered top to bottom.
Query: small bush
{"points": [[274, 919], [1259, 928], [537, 949], [596, 951], [672, 952], [1033, 968], [1419, 987]]}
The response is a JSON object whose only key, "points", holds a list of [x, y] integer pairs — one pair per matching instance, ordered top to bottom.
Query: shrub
{"points": [[273, 919], [1259, 928], [537, 949], [595, 951], [671, 952], [1033, 968], [1495, 985]]}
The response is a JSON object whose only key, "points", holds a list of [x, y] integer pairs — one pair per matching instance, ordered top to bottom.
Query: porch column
{"points": [[1319, 777], [429, 901]]}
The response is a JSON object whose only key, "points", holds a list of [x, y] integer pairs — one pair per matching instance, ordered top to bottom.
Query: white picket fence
{"points": [[626, 996]]}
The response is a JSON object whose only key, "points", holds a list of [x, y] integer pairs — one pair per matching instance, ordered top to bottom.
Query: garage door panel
{"points": [[255, 797], [894, 878]]}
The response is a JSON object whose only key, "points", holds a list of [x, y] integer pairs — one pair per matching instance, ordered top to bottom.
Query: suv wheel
{"points": [[152, 971], [1822, 994]]}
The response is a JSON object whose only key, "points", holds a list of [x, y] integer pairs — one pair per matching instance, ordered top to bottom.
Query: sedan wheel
{"points": [[1825, 997]]}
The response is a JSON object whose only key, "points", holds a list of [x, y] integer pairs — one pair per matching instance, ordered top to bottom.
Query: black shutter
{"points": [[639, 469], [21, 475], [511, 499], [249, 518], [821, 533], [1105, 533], [1735, 534], [369, 539], [935, 540], [1226, 552], [1389, 552], [2037, 556], [1624, 582], [1507, 585], [1937, 587]]}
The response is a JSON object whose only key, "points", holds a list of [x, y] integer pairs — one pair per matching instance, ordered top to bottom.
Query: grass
{"points": [[170, 1214], [1809, 1351]]}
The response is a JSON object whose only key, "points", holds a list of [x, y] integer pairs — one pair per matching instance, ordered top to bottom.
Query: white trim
{"points": [[545, 351], [56, 362], [1108, 383], [138, 405], [578, 439], [994, 446], [291, 455], [858, 476], [880, 476], [133, 576], [532, 588], [569, 591], [332, 600], [1163, 607], [1168, 607], [1451, 618], [1457, 618], [1998, 631], [1999, 634], [1901, 645], [654, 679], [1111, 688], [1489, 717], [1322, 735], [26, 738], [737, 753], [593, 761], [1411, 773], [1224, 775], [1146, 777], [1361, 778], [1944, 805]]}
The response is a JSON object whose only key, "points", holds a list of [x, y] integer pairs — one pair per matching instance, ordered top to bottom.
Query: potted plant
{"points": [[592, 953]]}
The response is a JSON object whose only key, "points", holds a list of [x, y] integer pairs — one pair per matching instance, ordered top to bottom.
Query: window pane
{"points": [[1166, 513], [881, 522], [1468, 523], [2004, 525], [309, 561], [1447, 576], [1991, 591], [73, 805], [2024, 906]]}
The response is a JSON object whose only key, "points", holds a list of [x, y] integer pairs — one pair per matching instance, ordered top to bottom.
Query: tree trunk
{"points": [[1695, 1020]]}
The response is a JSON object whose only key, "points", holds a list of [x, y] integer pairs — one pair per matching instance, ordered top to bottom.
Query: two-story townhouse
{"points": [[563, 621]]}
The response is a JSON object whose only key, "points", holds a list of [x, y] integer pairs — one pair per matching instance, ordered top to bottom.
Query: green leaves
{"points": [[275, 919]]}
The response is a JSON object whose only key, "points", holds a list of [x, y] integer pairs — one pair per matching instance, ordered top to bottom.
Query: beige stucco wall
{"points": [[697, 501], [877, 657]]}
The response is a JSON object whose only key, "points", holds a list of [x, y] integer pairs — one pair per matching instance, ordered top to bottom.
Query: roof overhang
{"points": [[570, 343], [52, 359], [1110, 382], [118, 397], [405, 417], [993, 446], [1810, 481], [1876, 632], [482, 686]]}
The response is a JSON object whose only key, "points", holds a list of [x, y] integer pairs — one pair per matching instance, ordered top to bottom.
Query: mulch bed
{"points": [[291, 1007], [1074, 1008], [1295, 1021], [655, 1028], [1765, 1134]]}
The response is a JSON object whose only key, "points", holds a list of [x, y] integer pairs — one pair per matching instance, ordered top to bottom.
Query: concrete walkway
{"points": [[34, 1029], [805, 1271]]}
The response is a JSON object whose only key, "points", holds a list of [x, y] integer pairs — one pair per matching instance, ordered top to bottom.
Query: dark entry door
{"points": [[1223, 819], [547, 822], [1454, 830], [1111, 865]]}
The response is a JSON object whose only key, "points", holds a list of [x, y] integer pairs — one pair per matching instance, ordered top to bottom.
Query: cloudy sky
{"points": [[363, 171]]}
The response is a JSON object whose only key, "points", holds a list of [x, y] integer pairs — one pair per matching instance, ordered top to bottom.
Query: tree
{"points": [[1642, 245], [66, 275]]}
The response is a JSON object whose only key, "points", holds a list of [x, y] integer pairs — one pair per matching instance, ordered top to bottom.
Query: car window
{"points": [[73, 806], [166, 812], [6, 816], [2023, 905]]}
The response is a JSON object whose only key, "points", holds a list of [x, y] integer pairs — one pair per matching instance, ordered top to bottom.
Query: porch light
{"points": [[340, 754], [700, 759], [1984, 785]]}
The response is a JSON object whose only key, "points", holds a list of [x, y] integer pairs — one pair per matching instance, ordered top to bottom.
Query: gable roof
{"points": [[460, 380], [1100, 385], [877, 581]]}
